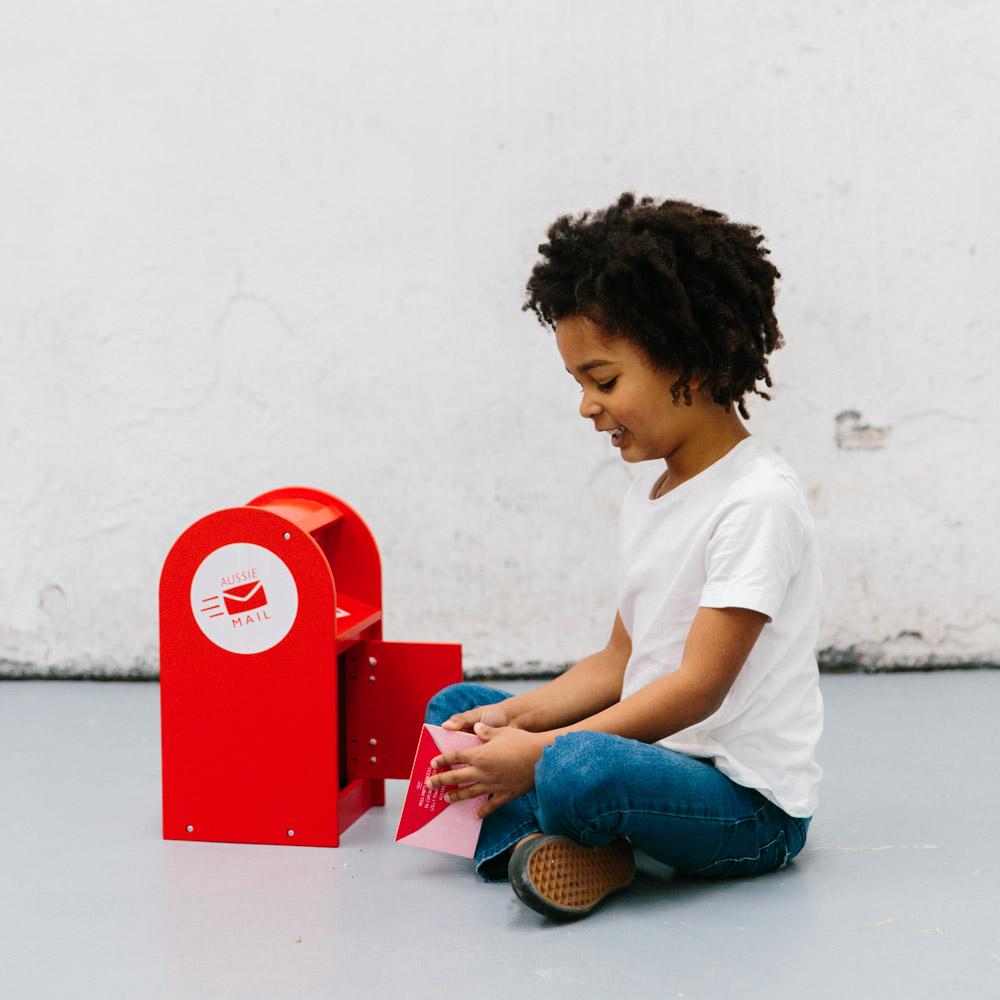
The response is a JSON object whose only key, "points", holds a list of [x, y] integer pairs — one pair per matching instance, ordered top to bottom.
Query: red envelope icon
{"points": [[245, 597], [427, 820]]}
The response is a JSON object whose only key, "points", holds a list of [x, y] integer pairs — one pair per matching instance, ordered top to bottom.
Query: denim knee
{"points": [[451, 700], [440, 707], [573, 773], [797, 840]]}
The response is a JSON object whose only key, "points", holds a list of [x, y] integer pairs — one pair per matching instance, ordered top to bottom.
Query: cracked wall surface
{"points": [[290, 248]]}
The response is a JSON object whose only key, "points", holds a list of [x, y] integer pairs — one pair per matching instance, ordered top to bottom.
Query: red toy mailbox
{"points": [[282, 709]]}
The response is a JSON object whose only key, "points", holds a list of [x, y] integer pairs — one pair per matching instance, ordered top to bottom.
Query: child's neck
{"points": [[697, 454]]}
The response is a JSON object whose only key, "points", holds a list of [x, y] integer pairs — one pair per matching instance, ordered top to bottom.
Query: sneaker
{"points": [[562, 878]]}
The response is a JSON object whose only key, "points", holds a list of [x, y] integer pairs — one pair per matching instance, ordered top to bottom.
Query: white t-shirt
{"points": [[738, 534]]}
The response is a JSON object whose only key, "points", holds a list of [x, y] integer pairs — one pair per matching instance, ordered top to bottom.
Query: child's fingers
{"points": [[490, 714], [494, 715], [460, 721], [449, 757], [457, 776], [471, 792], [495, 802]]}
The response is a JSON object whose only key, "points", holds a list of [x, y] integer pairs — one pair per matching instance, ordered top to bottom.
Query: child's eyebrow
{"points": [[587, 365]]}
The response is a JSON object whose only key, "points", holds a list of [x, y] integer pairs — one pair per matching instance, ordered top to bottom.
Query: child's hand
{"points": [[491, 715], [503, 766]]}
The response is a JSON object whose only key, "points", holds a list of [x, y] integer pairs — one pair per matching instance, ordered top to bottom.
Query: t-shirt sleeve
{"points": [[753, 553]]}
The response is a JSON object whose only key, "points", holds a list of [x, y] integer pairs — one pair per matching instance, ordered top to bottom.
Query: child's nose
{"points": [[589, 407]]}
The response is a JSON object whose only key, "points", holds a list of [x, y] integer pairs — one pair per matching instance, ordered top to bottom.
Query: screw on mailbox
{"points": [[287, 535], [373, 741], [190, 829], [291, 833]]}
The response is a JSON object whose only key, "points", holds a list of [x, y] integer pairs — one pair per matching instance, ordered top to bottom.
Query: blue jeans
{"points": [[596, 788]]}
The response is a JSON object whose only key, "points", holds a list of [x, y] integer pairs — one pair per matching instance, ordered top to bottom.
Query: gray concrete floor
{"points": [[895, 895]]}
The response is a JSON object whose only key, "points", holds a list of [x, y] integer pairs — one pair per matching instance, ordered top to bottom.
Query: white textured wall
{"points": [[258, 244]]}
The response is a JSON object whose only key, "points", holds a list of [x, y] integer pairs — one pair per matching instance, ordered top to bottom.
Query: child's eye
{"points": [[606, 386]]}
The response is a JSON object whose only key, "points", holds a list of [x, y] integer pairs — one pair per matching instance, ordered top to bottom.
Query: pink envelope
{"points": [[427, 820]]}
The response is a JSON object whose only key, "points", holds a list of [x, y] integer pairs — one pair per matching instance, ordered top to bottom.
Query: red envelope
{"points": [[245, 597], [427, 820]]}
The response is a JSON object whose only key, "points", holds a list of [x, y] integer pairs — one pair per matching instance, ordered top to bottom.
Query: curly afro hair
{"points": [[692, 289]]}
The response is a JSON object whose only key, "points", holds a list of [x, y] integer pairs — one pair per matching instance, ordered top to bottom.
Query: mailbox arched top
{"points": [[340, 532], [346, 558]]}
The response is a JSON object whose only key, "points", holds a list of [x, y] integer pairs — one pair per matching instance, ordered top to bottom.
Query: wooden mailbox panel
{"points": [[386, 688], [248, 741]]}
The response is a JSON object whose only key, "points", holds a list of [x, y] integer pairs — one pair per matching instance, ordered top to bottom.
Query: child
{"points": [[692, 734]]}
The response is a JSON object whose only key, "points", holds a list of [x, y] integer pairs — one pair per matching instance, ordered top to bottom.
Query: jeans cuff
{"points": [[481, 862]]}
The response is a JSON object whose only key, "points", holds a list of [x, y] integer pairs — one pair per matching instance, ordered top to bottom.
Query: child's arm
{"points": [[717, 646], [587, 687]]}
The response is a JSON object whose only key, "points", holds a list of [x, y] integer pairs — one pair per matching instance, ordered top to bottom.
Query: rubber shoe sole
{"points": [[561, 878]]}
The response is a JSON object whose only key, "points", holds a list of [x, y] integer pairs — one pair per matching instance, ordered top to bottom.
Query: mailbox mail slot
{"points": [[282, 709]]}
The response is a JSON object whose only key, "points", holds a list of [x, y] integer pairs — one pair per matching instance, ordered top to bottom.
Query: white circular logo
{"points": [[244, 598]]}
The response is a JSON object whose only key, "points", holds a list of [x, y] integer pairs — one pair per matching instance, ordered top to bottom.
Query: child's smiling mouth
{"points": [[616, 434]]}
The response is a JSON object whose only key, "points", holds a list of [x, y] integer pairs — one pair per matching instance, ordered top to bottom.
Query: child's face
{"points": [[626, 390]]}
